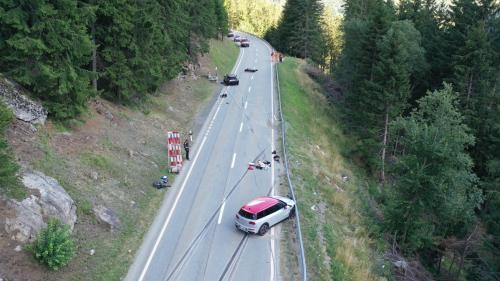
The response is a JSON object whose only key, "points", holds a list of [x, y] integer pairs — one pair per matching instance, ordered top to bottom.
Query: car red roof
{"points": [[259, 204]]}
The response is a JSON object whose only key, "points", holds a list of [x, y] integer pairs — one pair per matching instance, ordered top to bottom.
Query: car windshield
{"points": [[247, 215]]}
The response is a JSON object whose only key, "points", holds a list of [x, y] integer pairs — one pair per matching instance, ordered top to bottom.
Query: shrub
{"points": [[9, 184], [54, 246]]}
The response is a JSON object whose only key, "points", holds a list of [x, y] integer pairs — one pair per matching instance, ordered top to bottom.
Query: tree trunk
{"points": [[94, 58], [469, 87], [384, 145]]}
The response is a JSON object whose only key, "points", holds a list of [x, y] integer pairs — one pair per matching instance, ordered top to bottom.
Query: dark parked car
{"points": [[230, 34], [237, 38], [244, 43], [251, 69], [231, 79]]}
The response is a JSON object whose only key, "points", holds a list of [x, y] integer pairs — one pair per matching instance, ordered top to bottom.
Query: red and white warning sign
{"points": [[174, 151]]}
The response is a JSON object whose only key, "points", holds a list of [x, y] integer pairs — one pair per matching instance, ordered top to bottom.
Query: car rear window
{"points": [[247, 215]]}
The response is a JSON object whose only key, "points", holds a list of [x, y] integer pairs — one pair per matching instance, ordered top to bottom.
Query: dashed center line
{"points": [[251, 78], [249, 89], [246, 103], [241, 126], [232, 162], [221, 211]]}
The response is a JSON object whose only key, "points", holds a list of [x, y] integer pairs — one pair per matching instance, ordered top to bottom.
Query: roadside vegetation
{"points": [[66, 52], [416, 87], [109, 157], [9, 184], [339, 244], [54, 245]]}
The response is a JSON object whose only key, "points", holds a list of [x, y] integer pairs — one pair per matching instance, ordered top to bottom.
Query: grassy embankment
{"points": [[112, 161], [334, 227]]}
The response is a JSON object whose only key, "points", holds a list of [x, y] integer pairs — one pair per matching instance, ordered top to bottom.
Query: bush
{"points": [[9, 184], [54, 246]]}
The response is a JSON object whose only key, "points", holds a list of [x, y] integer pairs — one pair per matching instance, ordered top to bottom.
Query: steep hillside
{"points": [[109, 157], [329, 187]]}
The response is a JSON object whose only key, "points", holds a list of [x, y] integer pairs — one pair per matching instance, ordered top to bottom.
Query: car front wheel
{"points": [[291, 215], [263, 229]]}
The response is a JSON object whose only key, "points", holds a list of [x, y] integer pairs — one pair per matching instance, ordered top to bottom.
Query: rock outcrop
{"points": [[24, 108], [48, 199], [107, 216], [28, 220]]}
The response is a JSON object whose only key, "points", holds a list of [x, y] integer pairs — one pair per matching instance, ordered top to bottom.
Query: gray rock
{"points": [[23, 107], [94, 175], [53, 199], [107, 216], [28, 219], [18, 248], [92, 252]]}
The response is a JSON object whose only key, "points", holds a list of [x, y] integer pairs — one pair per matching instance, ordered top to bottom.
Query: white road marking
{"points": [[251, 78], [249, 89], [246, 104], [241, 126], [232, 162], [181, 190], [221, 211]]}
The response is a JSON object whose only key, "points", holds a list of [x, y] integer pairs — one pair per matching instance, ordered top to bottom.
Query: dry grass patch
{"points": [[337, 242]]}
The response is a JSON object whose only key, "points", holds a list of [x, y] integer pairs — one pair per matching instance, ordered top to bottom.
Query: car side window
{"points": [[281, 205], [273, 209], [261, 214]]}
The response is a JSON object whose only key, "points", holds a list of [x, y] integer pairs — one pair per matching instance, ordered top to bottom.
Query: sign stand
{"points": [[174, 151]]}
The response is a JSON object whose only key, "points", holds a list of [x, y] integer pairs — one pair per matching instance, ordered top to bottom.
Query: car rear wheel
{"points": [[263, 229]]}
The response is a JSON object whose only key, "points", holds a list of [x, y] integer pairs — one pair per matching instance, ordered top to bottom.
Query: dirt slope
{"points": [[109, 157]]}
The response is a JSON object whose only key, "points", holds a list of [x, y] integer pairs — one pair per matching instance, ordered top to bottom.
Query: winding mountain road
{"points": [[193, 236]]}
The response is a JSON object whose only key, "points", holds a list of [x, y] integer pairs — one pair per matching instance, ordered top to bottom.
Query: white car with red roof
{"points": [[263, 212]]}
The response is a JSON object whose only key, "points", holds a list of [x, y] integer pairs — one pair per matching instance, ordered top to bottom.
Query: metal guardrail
{"points": [[302, 257], [302, 260]]}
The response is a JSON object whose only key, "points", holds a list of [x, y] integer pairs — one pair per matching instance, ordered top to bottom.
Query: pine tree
{"points": [[300, 32], [45, 46], [434, 192]]}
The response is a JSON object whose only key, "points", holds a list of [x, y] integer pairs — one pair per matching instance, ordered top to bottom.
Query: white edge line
{"points": [[241, 126], [162, 232], [155, 247]]}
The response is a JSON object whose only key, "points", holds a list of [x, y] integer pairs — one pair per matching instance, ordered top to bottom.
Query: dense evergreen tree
{"points": [[256, 17], [299, 32], [45, 46], [434, 191]]}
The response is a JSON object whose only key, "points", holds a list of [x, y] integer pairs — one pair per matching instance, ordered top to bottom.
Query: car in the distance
{"points": [[230, 34], [236, 38], [244, 43], [231, 79], [262, 213]]}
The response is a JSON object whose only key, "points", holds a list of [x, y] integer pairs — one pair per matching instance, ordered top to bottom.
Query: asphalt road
{"points": [[193, 236]]}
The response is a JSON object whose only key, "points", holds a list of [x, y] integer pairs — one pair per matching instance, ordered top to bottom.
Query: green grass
{"points": [[223, 54], [122, 178], [337, 239]]}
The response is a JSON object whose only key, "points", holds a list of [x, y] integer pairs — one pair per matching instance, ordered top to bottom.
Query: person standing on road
{"points": [[186, 148]]}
